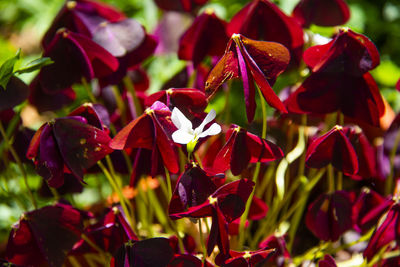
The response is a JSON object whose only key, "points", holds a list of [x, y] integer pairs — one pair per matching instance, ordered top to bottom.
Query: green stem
{"points": [[88, 89], [131, 89], [120, 104], [264, 115], [340, 118], [19, 163], [267, 178], [331, 179], [339, 180], [169, 186], [163, 187], [117, 189], [300, 209], [245, 214], [203, 245], [105, 255]]}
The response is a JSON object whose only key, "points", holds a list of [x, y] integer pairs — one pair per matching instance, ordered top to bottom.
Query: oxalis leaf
{"points": [[35, 65], [7, 69]]}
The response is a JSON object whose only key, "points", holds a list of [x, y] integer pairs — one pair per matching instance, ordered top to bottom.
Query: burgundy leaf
{"points": [[322, 13], [81, 16], [263, 20], [206, 36], [75, 56], [243, 56], [15, 92], [48, 102], [81, 145], [334, 148], [193, 188], [329, 216], [386, 232], [45, 235], [148, 252], [328, 261]]}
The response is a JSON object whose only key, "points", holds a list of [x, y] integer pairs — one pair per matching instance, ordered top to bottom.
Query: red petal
{"points": [[263, 20], [206, 36], [102, 61], [227, 68], [267, 91], [138, 133], [81, 145], [334, 148], [262, 150]]}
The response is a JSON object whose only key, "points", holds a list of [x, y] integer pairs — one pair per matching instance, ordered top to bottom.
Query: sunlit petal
{"points": [[210, 116], [180, 121], [213, 130], [181, 136]]}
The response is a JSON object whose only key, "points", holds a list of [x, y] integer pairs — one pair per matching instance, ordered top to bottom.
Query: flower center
{"points": [[212, 200]]}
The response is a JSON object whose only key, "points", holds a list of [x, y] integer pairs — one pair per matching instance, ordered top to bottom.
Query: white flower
{"points": [[185, 133]]}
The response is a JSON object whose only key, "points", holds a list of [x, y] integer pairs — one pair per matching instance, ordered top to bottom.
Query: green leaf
{"points": [[35, 65], [7, 69]]}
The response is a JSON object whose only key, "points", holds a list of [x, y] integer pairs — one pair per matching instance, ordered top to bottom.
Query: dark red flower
{"points": [[180, 5], [322, 13], [81, 16], [263, 20], [206, 36], [75, 57], [251, 60], [139, 78], [340, 80], [15, 92], [187, 100], [44, 101], [95, 115], [149, 131], [69, 145], [242, 148], [333, 148], [366, 153], [71, 185], [193, 188], [225, 205], [368, 208], [329, 216], [386, 231], [109, 234], [43, 237], [277, 243], [189, 244], [148, 252], [248, 258], [183, 260], [328, 261]]}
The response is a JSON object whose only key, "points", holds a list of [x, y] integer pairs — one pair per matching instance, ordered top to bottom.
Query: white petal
{"points": [[210, 116], [180, 121], [213, 130], [182, 137]]}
